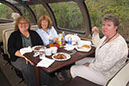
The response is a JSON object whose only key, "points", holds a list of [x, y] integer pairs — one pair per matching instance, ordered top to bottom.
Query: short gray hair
{"points": [[15, 16], [112, 18]]}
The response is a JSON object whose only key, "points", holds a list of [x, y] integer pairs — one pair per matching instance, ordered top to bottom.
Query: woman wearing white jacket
{"points": [[110, 55]]}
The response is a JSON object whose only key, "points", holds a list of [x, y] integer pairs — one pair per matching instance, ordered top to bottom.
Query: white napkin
{"points": [[25, 50], [45, 62]]}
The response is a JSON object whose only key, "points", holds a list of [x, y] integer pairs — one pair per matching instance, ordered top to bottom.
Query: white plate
{"points": [[33, 48], [83, 50], [67, 55]]}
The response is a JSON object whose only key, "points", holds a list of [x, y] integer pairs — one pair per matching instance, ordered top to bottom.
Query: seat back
{"points": [[4, 27], [34, 27], [6, 33], [121, 78]]}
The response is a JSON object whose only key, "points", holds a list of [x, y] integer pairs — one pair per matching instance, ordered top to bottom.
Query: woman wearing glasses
{"points": [[20, 38]]}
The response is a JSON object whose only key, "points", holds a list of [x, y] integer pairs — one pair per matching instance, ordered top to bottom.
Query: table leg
{"points": [[37, 71]]}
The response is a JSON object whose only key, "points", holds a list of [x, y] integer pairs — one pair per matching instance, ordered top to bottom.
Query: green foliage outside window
{"points": [[98, 8], [39, 10], [5, 11], [68, 14]]}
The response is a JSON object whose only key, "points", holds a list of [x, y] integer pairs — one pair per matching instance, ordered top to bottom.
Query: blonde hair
{"points": [[45, 17], [21, 18]]}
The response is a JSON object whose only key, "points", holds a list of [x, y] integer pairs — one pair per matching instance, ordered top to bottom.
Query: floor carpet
{"points": [[3, 80]]}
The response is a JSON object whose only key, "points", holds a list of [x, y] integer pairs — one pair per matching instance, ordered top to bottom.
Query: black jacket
{"points": [[15, 42]]}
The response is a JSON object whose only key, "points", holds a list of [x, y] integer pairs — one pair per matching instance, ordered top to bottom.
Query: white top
{"points": [[45, 36], [110, 57]]}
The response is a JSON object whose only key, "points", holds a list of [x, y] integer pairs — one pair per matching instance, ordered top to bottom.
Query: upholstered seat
{"points": [[4, 27], [34, 27], [6, 33], [121, 78]]}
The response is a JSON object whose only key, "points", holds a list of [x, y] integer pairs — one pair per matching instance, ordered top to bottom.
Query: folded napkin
{"points": [[25, 50], [45, 62]]}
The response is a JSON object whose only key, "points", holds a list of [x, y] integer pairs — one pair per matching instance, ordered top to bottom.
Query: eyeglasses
{"points": [[23, 23]]}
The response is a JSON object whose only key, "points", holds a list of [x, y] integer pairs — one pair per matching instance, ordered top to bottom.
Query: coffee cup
{"points": [[54, 50], [48, 51]]}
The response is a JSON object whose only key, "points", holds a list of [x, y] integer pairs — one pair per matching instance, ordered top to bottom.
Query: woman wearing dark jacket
{"points": [[20, 38]]}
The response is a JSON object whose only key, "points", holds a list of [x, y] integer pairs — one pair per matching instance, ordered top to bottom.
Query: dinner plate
{"points": [[33, 48], [83, 50], [67, 55]]}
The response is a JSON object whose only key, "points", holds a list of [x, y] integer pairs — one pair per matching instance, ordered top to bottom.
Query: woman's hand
{"points": [[95, 30], [55, 40], [17, 53], [27, 60], [87, 64]]}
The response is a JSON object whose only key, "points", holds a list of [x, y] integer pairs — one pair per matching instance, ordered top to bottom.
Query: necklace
{"points": [[107, 41]]}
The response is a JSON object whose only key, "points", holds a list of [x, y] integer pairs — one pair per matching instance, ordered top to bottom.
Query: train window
{"points": [[98, 8], [39, 10], [5, 11], [25, 13], [68, 15]]}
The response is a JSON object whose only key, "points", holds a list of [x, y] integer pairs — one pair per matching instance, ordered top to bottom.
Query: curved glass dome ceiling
{"points": [[12, 1]]}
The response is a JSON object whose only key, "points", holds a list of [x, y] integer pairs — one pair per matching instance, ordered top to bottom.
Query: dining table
{"points": [[75, 56]]}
